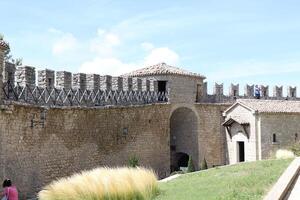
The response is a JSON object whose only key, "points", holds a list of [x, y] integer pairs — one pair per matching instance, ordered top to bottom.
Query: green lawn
{"points": [[241, 182]]}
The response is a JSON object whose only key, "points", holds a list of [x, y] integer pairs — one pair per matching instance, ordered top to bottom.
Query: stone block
{"points": [[25, 75], [46, 78], [63, 80], [93, 81]]}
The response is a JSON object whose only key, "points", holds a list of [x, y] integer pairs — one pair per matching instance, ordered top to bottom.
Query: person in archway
{"points": [[10, 192]]}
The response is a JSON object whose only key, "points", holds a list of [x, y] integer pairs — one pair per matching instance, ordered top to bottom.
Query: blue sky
{"points": [[255, 41]]}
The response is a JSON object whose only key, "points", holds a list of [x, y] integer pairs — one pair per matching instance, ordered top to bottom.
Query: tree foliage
{"points": [[8, 56]]}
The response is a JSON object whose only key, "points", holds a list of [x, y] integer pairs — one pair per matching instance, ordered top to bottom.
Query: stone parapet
{"points": [[9, 73], [25, 75], [46, 78], [63, 80], [79, 81], [93, 81], [105, 82], [117, 83], [127, 83], [137, 84], [145, 84], [278, 91]]}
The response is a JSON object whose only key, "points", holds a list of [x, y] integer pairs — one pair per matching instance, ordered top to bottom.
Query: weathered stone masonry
{"points": [[39, 145]]}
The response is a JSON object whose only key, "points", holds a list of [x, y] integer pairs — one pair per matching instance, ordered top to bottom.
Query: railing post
{"points": [[3, 47]]}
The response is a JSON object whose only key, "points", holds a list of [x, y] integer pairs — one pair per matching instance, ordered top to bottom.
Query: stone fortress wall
{"points": [[39, 145]]}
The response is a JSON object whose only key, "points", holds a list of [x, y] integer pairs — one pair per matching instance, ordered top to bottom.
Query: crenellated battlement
{"points": [[26, 75], [62, 80], [66, 89], [218, 95]]}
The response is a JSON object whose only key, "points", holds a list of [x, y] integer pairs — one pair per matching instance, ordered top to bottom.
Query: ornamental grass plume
{"points": [[284, 154], [103, 184]]}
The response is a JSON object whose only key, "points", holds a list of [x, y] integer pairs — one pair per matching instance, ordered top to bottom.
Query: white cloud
{"points": [[55, 31], [100, 31], [112, 39], [64, 43], [104, 43], [147, 46], [101, 51], [163, 54], [107, 66], [114, 66]]}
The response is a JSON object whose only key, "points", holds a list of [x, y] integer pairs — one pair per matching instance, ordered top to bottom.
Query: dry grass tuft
{"points": [[284, 154], [104, 184]]}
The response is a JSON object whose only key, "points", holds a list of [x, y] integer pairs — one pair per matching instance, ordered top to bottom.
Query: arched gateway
{"points": [[183, 138]]}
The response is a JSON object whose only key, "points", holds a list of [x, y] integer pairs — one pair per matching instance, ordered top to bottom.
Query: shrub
{"points": [[296, 149], [284, 154], [133, 161], [203, 164], [190, 167], [102, 184]]}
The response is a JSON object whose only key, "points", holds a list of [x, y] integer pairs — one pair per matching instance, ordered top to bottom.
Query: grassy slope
{"points": [[243, 181]]}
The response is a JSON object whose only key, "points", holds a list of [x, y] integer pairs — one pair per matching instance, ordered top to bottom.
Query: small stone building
{"points": [[183, 86], [255, 129]]}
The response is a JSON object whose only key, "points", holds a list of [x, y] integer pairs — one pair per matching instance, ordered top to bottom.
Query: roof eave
{"points": [[164, 74]]}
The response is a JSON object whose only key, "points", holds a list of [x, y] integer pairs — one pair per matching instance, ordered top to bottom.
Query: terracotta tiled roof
{"points": [[4, 45], [161, 69], [271, 106]]}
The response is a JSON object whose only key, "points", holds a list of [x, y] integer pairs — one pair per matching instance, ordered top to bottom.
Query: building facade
{"points": [[256, 129]]}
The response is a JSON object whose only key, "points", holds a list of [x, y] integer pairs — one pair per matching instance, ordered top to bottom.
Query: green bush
{"points": [[296, 149], [133, 161], [203, 164], [190, 167]]}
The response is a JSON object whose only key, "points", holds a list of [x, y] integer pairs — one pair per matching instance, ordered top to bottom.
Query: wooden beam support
{"points": [[245, 130], [228, 131]]}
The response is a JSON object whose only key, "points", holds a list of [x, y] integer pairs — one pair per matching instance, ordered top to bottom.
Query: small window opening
{"points": [[49, 82], [162, 86], [235, 93], [125, 131], [296, 137], [274, 139]]}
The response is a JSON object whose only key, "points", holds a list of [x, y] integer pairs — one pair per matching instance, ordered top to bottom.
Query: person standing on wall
{"points": [[257, 92], [10, 192]]}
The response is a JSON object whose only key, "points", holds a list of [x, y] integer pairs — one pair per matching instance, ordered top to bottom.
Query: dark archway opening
{"points": [[183, 138], [180, 160]]}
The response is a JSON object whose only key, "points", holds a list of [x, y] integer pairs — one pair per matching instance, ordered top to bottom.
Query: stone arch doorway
{"points": [[183, 138], [179, 160]]}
